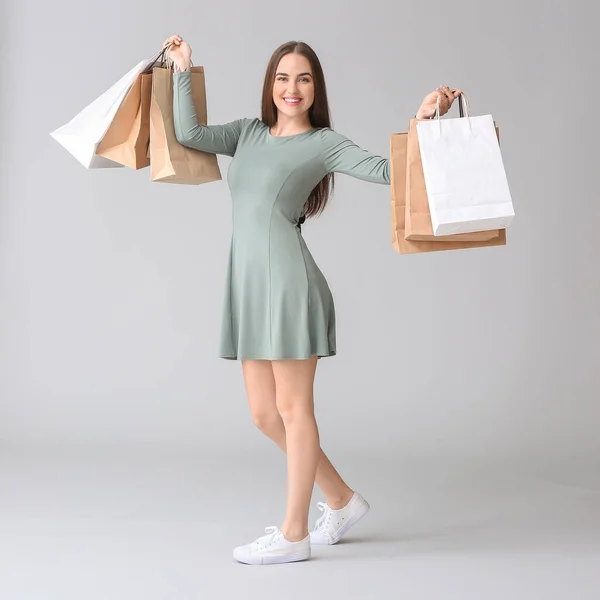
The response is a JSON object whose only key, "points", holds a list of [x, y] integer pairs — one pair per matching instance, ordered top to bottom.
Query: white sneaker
{"points": [[333, 524], [273, 548]]}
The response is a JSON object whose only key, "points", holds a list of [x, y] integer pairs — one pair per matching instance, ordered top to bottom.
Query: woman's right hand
{"points": [[179, 52]]}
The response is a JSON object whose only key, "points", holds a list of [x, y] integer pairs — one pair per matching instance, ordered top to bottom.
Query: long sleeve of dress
{"points": [[217, 139], [342, 155]]}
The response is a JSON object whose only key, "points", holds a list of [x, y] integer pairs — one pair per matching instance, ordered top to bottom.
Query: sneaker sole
{"points": [[364, 509], [274, 560]]}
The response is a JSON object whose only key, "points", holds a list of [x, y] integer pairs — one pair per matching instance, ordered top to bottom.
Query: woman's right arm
{"points": [[217, 139]]}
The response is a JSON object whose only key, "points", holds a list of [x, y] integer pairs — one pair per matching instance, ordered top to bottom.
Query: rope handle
{"points": [[463, 107]]}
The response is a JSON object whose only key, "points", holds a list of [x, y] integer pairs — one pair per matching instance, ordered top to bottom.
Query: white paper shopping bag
{"points": [[82, 134], [464, 175]]}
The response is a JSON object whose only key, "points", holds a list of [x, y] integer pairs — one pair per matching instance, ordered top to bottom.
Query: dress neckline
{"points": [[287, 137]]}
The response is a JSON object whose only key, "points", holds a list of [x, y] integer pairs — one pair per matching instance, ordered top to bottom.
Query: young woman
{"points": [[278, 314]]}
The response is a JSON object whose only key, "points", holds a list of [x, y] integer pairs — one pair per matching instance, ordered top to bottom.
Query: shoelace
{"points": [[322, 522], [272, 532]]}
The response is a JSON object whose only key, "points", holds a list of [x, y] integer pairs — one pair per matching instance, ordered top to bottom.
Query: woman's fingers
{"points": [[173, 40], [445, 96], [444, 102]]}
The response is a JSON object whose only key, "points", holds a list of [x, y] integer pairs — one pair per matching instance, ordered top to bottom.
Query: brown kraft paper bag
{"points": [[126, 140], [171, 162], [398, 172], [418, 217]]}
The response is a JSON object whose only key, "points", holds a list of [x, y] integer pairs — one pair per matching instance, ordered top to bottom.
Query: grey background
{"points": [[463, 402]]}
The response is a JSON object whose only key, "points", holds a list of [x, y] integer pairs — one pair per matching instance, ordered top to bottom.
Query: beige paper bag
{"points": [[126, 140], [170, 162], [398, 173], [418, 217]]}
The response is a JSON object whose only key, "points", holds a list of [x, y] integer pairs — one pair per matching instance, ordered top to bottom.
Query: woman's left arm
{"points": [[342, 155]]}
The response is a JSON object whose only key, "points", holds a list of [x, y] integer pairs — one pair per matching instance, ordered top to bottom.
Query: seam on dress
{"points": [[244, 126], [270, 222], [298, 235], [234, 343]]}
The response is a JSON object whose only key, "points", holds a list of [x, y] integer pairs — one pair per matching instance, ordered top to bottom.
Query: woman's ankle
{"points": [[339, 501], [294, 533]]}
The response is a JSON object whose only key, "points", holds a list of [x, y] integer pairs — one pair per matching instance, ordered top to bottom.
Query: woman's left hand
{"points": [[447, 97]]}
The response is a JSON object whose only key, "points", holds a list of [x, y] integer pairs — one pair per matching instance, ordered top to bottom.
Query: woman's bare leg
{"points": [[261, 391]]}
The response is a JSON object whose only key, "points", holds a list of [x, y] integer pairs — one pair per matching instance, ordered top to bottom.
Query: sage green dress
{"points": [[277, 303]]}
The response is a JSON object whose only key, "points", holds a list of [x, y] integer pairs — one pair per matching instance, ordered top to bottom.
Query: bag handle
{"points": [[158, 60], [163, 60], [462, 104], [463, 107]]}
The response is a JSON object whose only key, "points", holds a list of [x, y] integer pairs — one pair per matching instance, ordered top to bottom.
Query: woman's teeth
{"points": [[291, 101]]}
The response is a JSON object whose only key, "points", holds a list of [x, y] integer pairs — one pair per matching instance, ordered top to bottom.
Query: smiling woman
{"points": [[293, 94], [278, 313]]}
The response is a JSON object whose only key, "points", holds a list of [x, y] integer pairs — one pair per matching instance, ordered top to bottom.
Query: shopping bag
{"points": [[83, 133], [127, 137], [126, 140], [398, 154], [170, 161], [464, 174], [417, 215], [418, 219]]}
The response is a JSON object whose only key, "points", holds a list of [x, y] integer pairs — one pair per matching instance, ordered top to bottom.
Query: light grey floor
{"points": [[80, 525]]}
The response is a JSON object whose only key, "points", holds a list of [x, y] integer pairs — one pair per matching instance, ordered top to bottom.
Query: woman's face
{"points": [[293, 89]]}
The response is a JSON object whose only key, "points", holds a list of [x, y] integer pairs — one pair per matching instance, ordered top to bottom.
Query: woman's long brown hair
{"points": [[318, 114]]}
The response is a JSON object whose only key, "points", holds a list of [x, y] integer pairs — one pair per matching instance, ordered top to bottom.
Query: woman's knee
{"points": [[294, 381], [260, 388], [294, 408], [267, 420]]}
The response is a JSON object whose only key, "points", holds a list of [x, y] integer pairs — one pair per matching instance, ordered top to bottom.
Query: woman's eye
{"points": [[304, 79]]}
